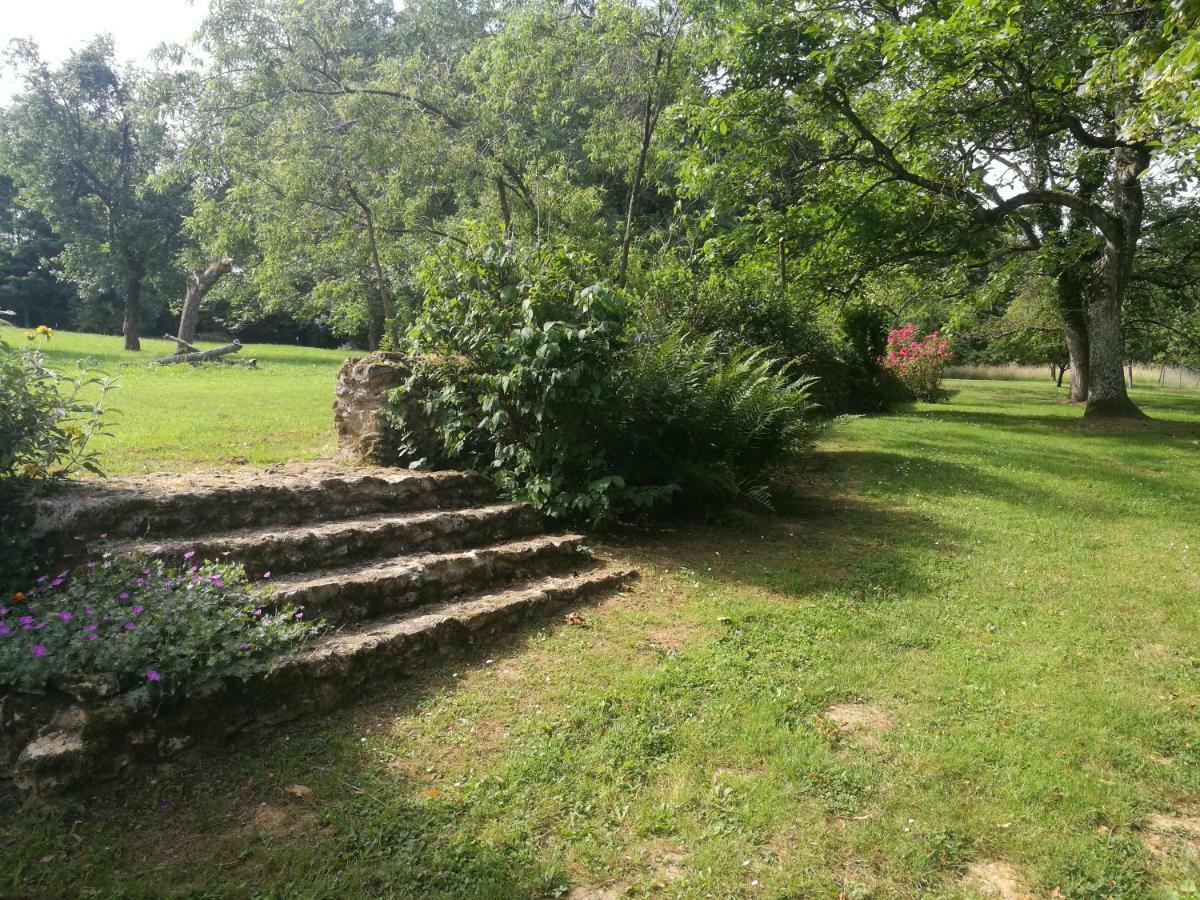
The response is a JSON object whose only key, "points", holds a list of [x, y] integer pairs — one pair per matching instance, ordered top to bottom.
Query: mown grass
{"points": [[180, 418], [1011, 593]]}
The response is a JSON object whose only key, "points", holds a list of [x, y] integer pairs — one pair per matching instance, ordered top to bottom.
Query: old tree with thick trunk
{"points": [[1034, 121], [95, 158], [199, 283]]}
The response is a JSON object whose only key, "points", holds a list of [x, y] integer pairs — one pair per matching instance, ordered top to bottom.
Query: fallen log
{"points": [[183, 345], [201, 355], [246, 363]]}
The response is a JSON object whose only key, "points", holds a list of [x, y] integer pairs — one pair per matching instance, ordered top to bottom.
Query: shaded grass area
{"points": [[185, 417], [1010, 591]]}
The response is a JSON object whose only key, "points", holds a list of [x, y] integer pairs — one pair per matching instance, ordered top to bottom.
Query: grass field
{"points": [[178, 418], [967, 654]]}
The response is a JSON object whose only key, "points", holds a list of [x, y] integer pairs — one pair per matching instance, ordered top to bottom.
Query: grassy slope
{"points": [[184, 417], [1013, 590]]}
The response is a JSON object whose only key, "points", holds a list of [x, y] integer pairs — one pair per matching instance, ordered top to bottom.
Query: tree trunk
{"points": [[649, 119], [505, 209], [198, 285], [133, 306], [379, 308], [1075, 330], [201, 355], [1062, 370], [1107, 396]]}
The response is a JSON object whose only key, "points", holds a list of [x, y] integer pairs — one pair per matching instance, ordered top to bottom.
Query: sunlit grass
{"points": [[185, 417]]}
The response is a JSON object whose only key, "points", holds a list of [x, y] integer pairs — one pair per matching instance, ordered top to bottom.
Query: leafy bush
{"points": [[744, 308], [917, 362], [530, 371], [872, 387], [46, 426], [160, 628]]}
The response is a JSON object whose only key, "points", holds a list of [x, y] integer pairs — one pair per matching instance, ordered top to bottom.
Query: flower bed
{"points": [[150, 628]]}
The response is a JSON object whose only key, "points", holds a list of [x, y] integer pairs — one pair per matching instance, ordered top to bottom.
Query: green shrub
{"points": [[744, 307], [865, 335], [529, 370], [45, 424], [46, 428], [160, 628]]}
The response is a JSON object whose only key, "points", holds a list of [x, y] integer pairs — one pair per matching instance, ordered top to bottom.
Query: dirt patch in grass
{"points": [[677, 636], [863, 720], [280, 821], [1163, 833], [996, 879], [593, 892]]}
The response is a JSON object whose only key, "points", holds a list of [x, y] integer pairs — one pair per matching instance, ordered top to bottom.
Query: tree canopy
{"points": [[1019, 175]]}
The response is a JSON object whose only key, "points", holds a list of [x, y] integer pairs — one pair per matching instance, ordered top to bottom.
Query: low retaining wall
{"points": [[370, 428]]}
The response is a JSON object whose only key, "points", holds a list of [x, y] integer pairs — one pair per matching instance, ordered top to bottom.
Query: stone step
{"points": [[164, 506], [326, 545], [361, 592], [356, 660], [79, 747]]}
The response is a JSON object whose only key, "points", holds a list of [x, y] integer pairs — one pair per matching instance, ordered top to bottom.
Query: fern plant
{"points": [[531, 371]]}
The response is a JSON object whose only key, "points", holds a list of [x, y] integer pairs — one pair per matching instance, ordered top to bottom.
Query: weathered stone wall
{"points": [[360, 413]]}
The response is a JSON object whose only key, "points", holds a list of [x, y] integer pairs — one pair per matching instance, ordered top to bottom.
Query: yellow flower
{"points": [[45, 330], [29, 335], [32, 470]]}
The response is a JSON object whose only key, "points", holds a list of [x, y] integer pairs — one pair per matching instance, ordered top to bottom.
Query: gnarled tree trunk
{"points": [[134, 273], [198, 284], [1075, 330], [1107, 396]]}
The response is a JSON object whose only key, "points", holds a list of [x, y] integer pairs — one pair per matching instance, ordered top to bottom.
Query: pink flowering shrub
{"points": [[917, 361], [159, 627]]}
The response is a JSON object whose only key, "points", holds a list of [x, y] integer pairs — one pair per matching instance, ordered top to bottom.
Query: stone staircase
{"points": [[404, 566]]}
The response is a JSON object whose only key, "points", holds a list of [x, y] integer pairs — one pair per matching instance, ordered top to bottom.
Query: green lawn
{"points": [[183, 417], [1003, 596]]}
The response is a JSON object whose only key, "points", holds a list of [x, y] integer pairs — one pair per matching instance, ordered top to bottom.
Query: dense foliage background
{"points": [[797, 179]]}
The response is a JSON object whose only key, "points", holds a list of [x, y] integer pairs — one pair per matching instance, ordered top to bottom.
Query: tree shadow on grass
{"points": [[226, 821], [372, 829]]}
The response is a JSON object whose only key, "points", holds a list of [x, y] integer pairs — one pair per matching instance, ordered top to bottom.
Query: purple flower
{"points": [[104, 536], [156, 549], [189, 554], [91, 565], [146, 571], [63, 573], [266, 574], [43, 579], [57, 581], [124, 595], [137, 609], [3, 611], [89, 611], [258, 612], [299, 615], [66, 616], [26, 622], [129, 626], [90, 627], [5, 628], [93, 637], [243, 646], [37, 650], [153, 675]]}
